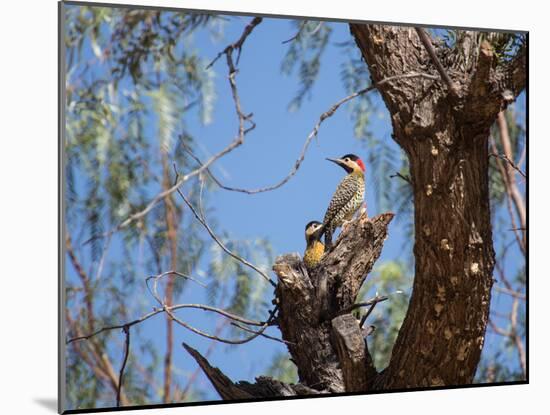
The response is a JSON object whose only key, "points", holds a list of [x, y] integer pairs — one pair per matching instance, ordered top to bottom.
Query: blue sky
{"points": [[266, 157]]}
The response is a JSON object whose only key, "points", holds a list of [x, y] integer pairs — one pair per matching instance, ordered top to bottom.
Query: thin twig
{"points": [[302, 26], [301, 29], [427, 42], [238, 45], [327, 114], [510, 162], [406, 178], [506, 179], [160, 196], [220, 243], [176, 273], [510, 292], [373, 301], [168, 310], [218, 311], [367, 314], [116, 326], [498, 330], [211, 336], [267, 336], [223, 340], [126, 353]]}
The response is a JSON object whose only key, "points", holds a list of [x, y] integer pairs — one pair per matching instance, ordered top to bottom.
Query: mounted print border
{"points": [[192, 168]]}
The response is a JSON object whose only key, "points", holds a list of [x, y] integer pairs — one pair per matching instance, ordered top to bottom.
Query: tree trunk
{"points": [[443, 127], [445, 136]]}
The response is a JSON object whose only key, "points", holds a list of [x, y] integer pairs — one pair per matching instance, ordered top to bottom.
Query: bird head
{"points": [[350, 163], [314, 229]]}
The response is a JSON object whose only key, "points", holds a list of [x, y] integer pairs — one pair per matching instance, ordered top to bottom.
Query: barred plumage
{"points": [[347, 198]]}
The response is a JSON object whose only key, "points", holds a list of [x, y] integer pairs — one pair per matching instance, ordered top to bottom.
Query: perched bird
{"points": [[348, 198], [314, 247]]}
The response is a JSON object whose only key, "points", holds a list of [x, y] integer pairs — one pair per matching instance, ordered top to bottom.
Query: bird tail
{"points": [[328, 236]]}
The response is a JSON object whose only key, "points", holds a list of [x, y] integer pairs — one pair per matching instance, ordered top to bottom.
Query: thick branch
{"points": [[427, 42], [309, 301], [350, 347], [331, 354], [223, 385], [264, 387]]}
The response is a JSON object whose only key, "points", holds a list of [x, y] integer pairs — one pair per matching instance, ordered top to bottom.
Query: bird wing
{"points": [[343, 194]]}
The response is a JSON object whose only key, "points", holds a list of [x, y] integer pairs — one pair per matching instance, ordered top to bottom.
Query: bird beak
{"points": [[340, 162], [319, 231]]}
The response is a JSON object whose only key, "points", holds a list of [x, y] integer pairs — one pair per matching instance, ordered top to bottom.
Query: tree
{"points": [[443, 96], [444, 129]]}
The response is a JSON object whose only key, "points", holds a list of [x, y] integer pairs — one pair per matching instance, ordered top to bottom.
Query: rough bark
{"points": [[445, 137], [302, 319], [265, 387]]}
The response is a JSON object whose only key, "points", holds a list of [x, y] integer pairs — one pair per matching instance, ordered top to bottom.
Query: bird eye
{"points": [[346, 159]]}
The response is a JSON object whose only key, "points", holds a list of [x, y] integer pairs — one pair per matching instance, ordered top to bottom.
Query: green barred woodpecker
{"points": [[348, 198], [314, 247]]}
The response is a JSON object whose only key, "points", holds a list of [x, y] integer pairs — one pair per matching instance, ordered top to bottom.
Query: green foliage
{"points": [[506, 45], [305, 52], [355, 76], [132, 80], [389, 278], [247, 296], [283, 369]]}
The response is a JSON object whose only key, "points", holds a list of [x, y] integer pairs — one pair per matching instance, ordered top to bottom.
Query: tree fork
{"points": [[329, 351]]}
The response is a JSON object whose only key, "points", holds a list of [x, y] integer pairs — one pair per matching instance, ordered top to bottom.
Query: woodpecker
{"points": [[348, 198], [314, 247]]}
